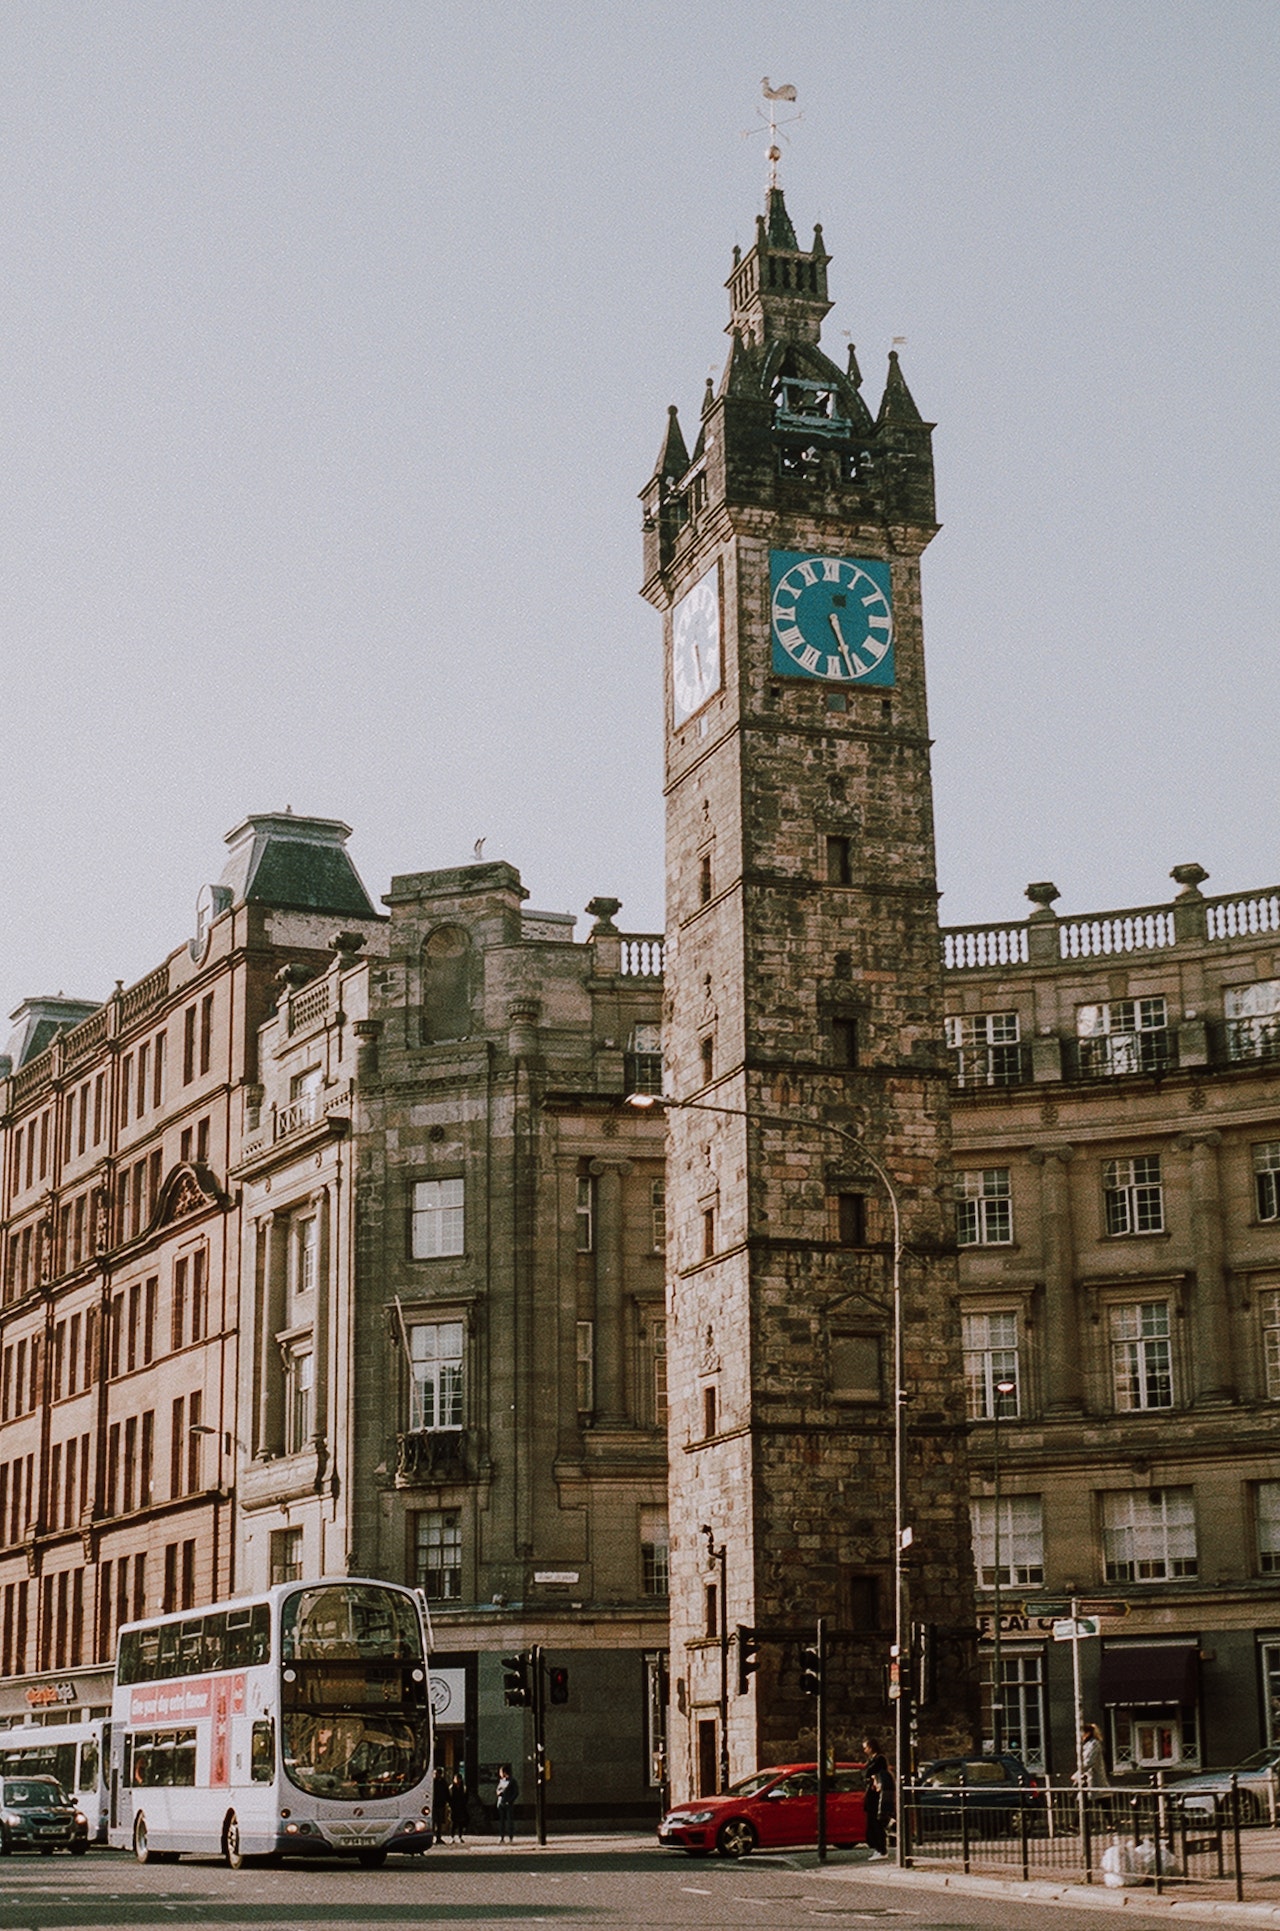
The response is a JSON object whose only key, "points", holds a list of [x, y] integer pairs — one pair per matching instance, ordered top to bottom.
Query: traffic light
{"points": [[924, 1643], [748, 1660], [812, 1669], [558, 1677], [517, 1689]]}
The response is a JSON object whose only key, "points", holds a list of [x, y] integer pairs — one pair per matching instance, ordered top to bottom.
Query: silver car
{"points": [[1256, 1777]]}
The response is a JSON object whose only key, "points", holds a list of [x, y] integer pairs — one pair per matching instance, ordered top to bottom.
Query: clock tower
{"points": [[804, 1022]]}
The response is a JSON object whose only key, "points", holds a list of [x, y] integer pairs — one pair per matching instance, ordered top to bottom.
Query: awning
{"points": [[1160, 1673]]}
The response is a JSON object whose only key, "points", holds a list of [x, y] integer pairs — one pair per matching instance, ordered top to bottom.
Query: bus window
{"points": [[260, 1634], [215, 1641], [191, 1647], [167, 1663], [262, 1753], [89, 1766]]}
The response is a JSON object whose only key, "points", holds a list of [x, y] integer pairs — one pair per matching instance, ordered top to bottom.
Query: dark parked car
{"points": [[1256, 1778], [988, 1793], [769, 1811], [35, 1815]]}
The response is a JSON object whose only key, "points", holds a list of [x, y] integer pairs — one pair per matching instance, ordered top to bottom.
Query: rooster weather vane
{"points": [[786, 92]]}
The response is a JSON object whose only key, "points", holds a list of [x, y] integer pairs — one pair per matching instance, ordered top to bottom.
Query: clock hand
{"points": [[834, 621]]}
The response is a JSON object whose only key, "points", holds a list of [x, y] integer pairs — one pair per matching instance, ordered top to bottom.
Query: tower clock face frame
{"points": [[831, 618], [697, 659]]}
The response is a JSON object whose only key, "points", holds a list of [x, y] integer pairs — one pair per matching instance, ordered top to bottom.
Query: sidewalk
{"points": [[1184, 1899]]}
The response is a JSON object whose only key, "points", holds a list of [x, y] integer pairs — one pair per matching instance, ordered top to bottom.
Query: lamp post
{"points": [[1001, 1390], [901, 1528], [718, 1557]]}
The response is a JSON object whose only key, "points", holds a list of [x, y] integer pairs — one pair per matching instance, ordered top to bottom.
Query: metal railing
{"points": [[1155, 1836]]}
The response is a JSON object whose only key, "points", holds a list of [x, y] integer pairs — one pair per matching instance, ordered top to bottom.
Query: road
{"points": [[626, 1884]]}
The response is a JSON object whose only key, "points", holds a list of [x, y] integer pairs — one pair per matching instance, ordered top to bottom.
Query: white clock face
{"points": [[695, 647]]}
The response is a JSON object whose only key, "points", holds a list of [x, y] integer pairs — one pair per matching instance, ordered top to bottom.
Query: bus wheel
{"points": [[231, 1845], [140, 1847], [372, 1860]]}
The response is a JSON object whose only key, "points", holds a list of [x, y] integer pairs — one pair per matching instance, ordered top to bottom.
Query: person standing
{"points": [[1093, 1763], [508, 1791], [880, 1798], [439, 1804], [458, 1812]]}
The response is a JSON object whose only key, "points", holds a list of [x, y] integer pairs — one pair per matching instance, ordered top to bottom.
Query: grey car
{"points": [[1256, 1778], [35, 1815]]}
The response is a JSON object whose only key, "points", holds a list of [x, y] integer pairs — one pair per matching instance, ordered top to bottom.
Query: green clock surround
{"points": [[831, 618]]}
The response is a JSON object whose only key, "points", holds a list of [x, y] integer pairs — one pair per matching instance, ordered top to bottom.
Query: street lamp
{"points": [[1001, 1390], [901, 1529]]}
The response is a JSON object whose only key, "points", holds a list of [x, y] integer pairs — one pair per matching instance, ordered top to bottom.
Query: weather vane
{"points": [[773, 95]]}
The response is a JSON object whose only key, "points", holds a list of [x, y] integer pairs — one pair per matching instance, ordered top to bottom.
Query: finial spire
{"points": [[773, 95]]}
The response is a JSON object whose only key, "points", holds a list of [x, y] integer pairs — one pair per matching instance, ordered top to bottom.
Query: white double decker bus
{"points": [[296, 1722]]}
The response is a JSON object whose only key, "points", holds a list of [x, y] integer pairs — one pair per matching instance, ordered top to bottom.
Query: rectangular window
{"points": [[839, 865], [1253, 1020], [206, 1032], [1125, 1036], [844, 1041], [188, 1045], [986, 1047], [707, 1055], [644, 1059], [157, 1070], [144, 1078], [126, 1088], [1266, 1179], [1133, 1195], [984, 1208], [585, 1214], [658, 1216], [438, 1217], [851, 1219], [708, 1232], [306, 1253], [199, 1293], [151, 1294], [178, 1308], [1269, 1322], [658, 1334], [1141, 1355], [586, 1362], [990, 1362], [300, 1377], [435, 1396], [709, 1405], [195, 1440], [1268, 1514], [1149, 1535], [1021, 1540], [655, 1553], [438, 1554], [286, 1556]]}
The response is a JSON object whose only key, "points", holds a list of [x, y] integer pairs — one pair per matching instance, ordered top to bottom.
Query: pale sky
{"points": [[338, 340]]}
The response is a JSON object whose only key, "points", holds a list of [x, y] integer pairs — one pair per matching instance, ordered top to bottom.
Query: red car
{"points": [[773, 1810]]}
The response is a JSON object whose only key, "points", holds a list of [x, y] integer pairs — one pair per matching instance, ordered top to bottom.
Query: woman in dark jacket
{"points": [[458, 1817]]}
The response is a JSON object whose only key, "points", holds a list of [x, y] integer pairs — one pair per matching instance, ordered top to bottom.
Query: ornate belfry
{"points": [[804, 1024]]}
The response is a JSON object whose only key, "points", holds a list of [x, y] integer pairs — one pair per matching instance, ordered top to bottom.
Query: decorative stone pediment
{"points": [[189, 1189]]}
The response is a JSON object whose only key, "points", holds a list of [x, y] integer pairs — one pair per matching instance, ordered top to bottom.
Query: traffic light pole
{"points": [[822, 1739], [539, 1745]]}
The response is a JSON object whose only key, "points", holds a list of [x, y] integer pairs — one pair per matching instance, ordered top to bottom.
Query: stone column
{"points": [[1211, 1317], [320, 1325], [610, 1338], [1064, 1387], [269, 1436]]}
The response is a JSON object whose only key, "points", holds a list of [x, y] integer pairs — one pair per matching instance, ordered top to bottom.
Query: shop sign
{"points": [[46, 1695]]}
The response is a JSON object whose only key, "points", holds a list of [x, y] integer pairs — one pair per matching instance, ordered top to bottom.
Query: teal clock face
{"points": [[832, 617], [695, 647]]}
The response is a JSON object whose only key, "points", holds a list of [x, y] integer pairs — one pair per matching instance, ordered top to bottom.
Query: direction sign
{"points": [[1047, 1606], [1062, 1606], [1086, 1606], [1066, 1631]]}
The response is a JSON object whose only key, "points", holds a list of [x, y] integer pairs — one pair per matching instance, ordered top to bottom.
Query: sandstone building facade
{"points": [[1117, 1105], [119, 1125], [453, 1314]]}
